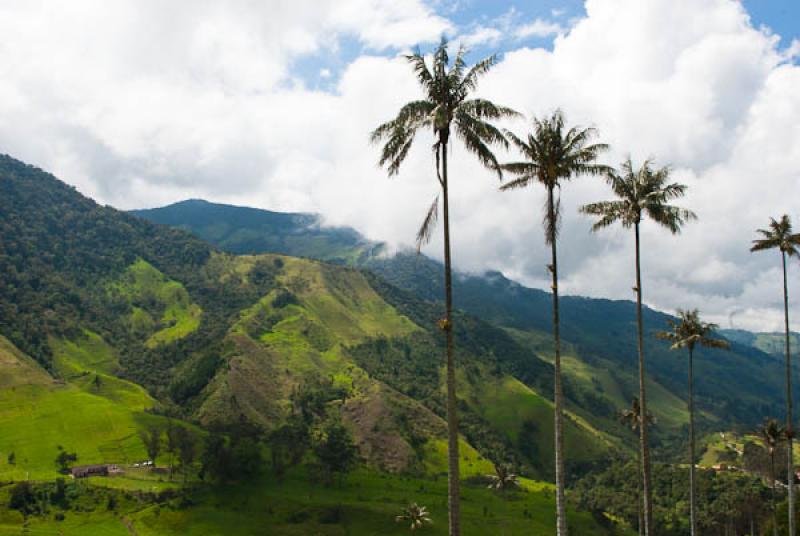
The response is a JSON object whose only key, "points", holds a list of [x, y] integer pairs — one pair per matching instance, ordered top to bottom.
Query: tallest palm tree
{"points": [[445, 109], [554, 154], [643, 192], [779, 235]]}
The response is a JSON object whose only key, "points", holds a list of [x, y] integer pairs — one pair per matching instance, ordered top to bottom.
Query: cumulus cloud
{"points": [[538, 28], [142, 103]]}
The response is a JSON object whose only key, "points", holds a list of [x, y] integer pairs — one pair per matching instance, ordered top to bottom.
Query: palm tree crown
{"points": [[445, 105], [554, 153], [641, 191], [779, 235], [689, 331], [632, 417], [771, 434], [503, 478], [415, 515]]}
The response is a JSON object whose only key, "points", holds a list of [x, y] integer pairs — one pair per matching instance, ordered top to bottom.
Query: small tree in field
{"points": [[151, 438], [186, 446], [335, 451], [65, 459]]}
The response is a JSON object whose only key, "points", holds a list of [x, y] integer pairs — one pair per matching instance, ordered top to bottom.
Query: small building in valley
{"points": [[101, 469]]}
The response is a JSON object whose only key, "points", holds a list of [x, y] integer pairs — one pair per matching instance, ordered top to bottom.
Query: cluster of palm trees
{"points": [[552, 154]]}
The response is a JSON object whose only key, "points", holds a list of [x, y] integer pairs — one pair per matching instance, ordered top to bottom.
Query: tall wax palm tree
{"points": [[446, 108], [554, 154], [642, 192], [779, 235], [688, 332], [632, 418], [771, 434]]}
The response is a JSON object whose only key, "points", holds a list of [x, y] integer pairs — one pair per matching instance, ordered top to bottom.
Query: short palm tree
{"points": [[446, 109], [554, 154], [642, 192], [780, 236], [688, 332], [632, 418], [771, 434], [503, 479], [417, 516]]}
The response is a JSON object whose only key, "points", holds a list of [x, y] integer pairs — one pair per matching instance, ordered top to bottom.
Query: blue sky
{"points": [[321, 70]]}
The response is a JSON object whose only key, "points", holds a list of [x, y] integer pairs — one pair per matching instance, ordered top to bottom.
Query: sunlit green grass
{"points": [[366, 503]]}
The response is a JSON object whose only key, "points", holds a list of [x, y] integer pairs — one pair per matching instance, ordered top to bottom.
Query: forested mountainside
{"points": [[112, 327], [220, 339], [736, 388]]}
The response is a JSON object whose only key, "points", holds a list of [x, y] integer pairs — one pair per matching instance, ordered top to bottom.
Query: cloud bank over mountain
{"points": [[143, 103]]}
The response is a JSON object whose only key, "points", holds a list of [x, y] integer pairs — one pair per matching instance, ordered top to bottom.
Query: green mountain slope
{"points": [[111, 303], [109, 322], [769, 343], [734, 388]]}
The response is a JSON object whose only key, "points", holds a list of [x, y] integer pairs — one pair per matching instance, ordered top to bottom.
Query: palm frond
{"points": [[423, 73], [470, 81], [485, 109], [476, 136], [519, 182], [608, 211], [552, 222], [425, 231]]}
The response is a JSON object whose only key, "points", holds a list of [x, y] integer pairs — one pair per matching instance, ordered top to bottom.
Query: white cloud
{"points": [[538, 28], [482, 35], [139, 104]]}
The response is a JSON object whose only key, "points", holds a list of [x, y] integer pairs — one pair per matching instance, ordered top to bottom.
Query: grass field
{"points": [[161, 308], [607, 381], [526, 419], [99, 422], [365, 504]]}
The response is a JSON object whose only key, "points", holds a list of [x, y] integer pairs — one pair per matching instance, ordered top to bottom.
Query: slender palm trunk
{"points": [[452, 417], [789, 423], [692, 486], [772, 488], [647, 501], [639, 508], [561, 511]]}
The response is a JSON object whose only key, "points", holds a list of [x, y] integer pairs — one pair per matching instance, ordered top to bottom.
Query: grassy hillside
{"points": [[160, 309], [307, 328], [38, 414]]}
